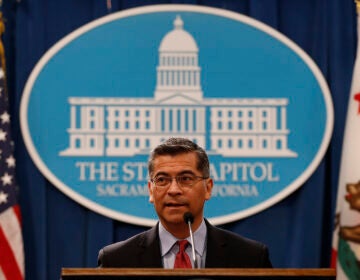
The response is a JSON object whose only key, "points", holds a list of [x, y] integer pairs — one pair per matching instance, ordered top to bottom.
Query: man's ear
{"points": [[209, 183], [150, 188]]}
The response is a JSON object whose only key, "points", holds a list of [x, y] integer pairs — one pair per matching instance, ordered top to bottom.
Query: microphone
{"points": [[189, 219]]}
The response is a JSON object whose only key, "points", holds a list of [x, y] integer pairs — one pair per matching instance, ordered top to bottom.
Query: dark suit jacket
{"points": [[224, 250]]}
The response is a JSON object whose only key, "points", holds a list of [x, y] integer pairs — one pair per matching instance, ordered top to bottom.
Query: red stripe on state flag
{"points": [[333, 258]]}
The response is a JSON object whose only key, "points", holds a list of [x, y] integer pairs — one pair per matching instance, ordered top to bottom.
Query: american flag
{"points": [[11, 243]]}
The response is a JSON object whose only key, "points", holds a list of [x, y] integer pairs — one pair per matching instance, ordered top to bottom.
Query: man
{"points": [[180, 183]]}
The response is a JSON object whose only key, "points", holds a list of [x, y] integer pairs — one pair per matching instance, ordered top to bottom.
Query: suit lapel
{"points": [[216, 246], [149, 248], [149, 253]]}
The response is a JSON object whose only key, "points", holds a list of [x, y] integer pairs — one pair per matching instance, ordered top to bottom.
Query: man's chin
{"points": [[175, 217]]}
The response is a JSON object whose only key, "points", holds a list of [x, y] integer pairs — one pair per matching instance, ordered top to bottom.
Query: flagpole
{"points": [[108, 5], [2, 48]]}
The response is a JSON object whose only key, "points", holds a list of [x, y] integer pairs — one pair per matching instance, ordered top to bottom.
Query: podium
{"points": [[199, 274]]}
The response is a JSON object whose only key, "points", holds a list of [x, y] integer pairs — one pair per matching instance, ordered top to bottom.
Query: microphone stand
{"points": [[189, 219], [192, 244]]}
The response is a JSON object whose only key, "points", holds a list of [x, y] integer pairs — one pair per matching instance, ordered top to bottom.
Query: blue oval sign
{"points": [[101, 98]]}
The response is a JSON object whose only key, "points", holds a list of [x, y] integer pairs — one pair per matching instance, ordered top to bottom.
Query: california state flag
{"points": [[346, 239]]}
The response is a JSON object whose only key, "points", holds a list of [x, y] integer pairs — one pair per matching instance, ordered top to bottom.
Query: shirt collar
{"points": [[167, 240]]}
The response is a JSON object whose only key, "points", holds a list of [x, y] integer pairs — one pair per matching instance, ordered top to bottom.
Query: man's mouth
{"points": [[174, 204]]}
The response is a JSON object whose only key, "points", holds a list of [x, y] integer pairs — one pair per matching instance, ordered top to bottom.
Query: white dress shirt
{"points": [[169, 248]]}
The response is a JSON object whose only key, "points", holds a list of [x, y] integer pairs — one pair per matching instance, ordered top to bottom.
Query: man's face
{"points": [[173, 201]]}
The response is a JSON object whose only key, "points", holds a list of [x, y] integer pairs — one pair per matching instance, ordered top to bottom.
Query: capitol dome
{"points": [[178, 39]]}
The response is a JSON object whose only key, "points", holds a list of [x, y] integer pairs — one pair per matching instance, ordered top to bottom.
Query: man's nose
{"points": [[174, 186]]}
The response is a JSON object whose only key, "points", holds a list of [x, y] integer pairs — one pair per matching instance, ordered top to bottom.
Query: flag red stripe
{"points": [[16, 209], [333, 258], [8, 263]]}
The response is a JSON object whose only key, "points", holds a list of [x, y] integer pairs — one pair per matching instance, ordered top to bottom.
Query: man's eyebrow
{"points": [[184, 172], [161, 173]]}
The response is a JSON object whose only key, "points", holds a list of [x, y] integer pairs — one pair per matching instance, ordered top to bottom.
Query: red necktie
{"points": [[182, 259]]}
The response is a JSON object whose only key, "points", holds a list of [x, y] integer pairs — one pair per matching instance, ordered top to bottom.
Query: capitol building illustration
{"points": [[230, 127]]}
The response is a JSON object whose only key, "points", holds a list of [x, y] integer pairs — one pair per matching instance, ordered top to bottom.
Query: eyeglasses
{"points": [[183, 181]]}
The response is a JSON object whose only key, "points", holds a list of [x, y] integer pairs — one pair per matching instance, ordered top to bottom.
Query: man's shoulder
{"points": [[233, 238], [130, 243], [229, 249], [127, 253]]}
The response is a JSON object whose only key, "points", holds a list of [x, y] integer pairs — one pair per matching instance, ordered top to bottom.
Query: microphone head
{"points": [[188, 217]]}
